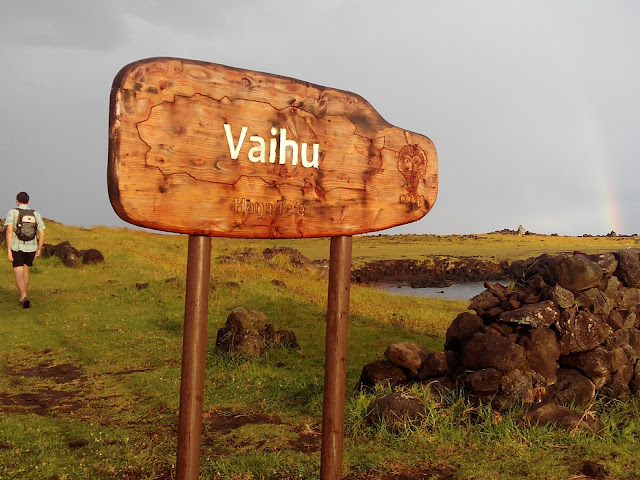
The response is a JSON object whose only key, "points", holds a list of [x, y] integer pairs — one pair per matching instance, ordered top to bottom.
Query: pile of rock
{"points": [[70, 256], [438, 271], [567, 328], [246, 332]]}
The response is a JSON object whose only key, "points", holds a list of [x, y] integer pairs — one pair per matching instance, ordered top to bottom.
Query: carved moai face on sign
{"points": [[412, 163]]}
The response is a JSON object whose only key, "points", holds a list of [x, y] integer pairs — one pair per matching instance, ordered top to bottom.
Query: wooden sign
{"points": [[205, 149]]}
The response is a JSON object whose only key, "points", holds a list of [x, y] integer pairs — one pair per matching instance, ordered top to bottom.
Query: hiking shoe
{"points": [[26, 303]]}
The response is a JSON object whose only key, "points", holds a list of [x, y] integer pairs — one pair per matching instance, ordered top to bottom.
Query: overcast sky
{"points": [[533, 106]]}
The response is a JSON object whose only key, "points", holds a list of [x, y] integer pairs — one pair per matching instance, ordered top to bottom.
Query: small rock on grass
{"points": [[79, 442], [594, 470]]}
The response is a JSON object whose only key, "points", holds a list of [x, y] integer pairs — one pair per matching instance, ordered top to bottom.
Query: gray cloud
{"points": [[62, 23], [533, 106]]}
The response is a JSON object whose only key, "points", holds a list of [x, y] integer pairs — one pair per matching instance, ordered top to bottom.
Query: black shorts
{"points": [[21, 258]]}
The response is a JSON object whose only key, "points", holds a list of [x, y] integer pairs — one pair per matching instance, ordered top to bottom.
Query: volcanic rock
{"points": [[92, 256], [607, 262], [628, 267], [576, 272], [562, 297], [484, 301], [536, 315], [243, 319], [462, 329], [580, 331], [246, 332], [241, 343], [491, 351], [542, 354], [596, 363], [436, 364], [381, 372], [484, 381], [517, 384], [571, 388], [396, 410], [562, 417]]}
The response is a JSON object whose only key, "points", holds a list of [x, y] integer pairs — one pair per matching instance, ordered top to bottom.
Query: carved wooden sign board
{"points": [[204, 149]]}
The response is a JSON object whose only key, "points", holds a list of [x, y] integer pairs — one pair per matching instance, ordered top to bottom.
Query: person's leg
{"points": [[21, 264], [22, 280]]}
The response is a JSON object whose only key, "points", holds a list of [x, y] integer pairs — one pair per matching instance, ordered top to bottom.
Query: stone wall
{"points": [[436, 271], [567, 327]]}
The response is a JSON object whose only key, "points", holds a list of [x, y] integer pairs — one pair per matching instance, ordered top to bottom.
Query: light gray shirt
{"points": [[16, 243]]}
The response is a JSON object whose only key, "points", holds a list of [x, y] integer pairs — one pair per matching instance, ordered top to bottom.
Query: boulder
{"points": [[62, 248], [48, 250], [92, 256], [71, 259], [607, 262], [542, 266], [628, 270], [576, 272], [611, 289], [497, 290], [562, 297], [628, 299], [484, 301], [595, 301], [536, 315], [247, 320], [615, 320], [462, 329], [566, 330], [581, 331], [247, 332], [279, 338], [619, 338], [634, 340], [240, 343], [491, 351], [542, 354], [406, 355], [596, 363], [437, 364], [381, 372], [484, 381], [634, 383], [619, 384], [518, 385], [571, 388], [396, 410], [562, 417], [594, 469]]}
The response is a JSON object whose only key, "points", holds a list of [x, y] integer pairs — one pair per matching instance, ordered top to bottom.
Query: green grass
{"points": [[488, 246], [120, 349]]}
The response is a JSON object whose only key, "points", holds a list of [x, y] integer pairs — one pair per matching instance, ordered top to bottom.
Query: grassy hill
{"points": [[89, 383]]}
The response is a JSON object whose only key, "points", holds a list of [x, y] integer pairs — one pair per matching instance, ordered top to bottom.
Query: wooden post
{"points": [[194, 346], [335, 369]]}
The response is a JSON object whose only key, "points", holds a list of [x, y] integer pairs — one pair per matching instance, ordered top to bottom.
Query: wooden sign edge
{"points": [[114, 141]]}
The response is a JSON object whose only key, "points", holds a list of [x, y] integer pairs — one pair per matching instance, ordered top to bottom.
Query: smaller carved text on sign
{"points": [[253, 155], [244, 206]]}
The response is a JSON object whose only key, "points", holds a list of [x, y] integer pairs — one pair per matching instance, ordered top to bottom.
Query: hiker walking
{"points": [[25, 237]]}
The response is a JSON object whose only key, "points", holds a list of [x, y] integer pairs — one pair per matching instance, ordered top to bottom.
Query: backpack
{"points": [[27, 225]]}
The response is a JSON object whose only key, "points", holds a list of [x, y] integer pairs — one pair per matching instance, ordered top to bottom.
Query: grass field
{"points": [[487, 246], [89, 377]]}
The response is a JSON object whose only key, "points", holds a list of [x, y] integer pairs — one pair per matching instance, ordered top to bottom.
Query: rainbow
{"points": [[595, 149]]}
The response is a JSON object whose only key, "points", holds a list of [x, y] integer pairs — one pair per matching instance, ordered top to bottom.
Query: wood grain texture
{"points": [[313, 162]]}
